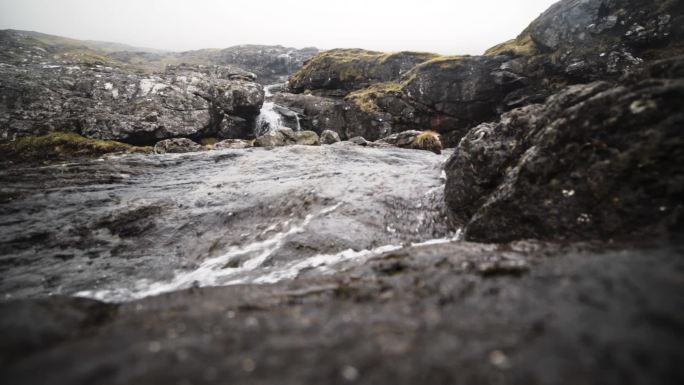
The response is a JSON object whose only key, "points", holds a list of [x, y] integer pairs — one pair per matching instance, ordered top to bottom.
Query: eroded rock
{"points": [[597, 161]]}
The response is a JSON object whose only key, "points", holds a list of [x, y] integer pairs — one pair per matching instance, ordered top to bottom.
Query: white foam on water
{"points": [[268, 119], [215, 272]]}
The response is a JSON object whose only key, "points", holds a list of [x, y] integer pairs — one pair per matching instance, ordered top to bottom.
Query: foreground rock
{"points": [[597, 161], [440, 314]]}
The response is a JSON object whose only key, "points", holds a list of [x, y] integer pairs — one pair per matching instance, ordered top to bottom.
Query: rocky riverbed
{"points": [[401, 218], [125, 227]]}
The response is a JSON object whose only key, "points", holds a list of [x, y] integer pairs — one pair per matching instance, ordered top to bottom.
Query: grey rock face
{"points": [[579, 41], [47, 88], [467, 89], [447, 95], [111, 103], [176, 146], [597, 161], [403, 311]]}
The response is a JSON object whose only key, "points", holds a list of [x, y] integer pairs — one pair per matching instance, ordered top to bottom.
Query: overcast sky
{"points": [[443, 26]]}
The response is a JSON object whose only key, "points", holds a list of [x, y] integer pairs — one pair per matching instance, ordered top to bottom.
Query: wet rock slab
{"points": [[113, 228], [523, 313]]}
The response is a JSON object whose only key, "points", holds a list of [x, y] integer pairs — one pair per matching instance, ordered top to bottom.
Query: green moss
{"points": [[523, 45], [354, 65], [365, 99], [210, 141], [60, 146]]}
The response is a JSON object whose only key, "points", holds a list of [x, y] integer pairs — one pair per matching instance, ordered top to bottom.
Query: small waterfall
{"points": [[269, 118]]}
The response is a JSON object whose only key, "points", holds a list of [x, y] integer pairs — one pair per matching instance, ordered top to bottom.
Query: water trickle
{"points": [[269, 118]]}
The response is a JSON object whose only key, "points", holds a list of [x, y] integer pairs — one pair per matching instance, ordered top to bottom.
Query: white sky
{"points": [[443, 26]]}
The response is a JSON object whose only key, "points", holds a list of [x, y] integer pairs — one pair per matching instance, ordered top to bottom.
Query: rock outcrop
{"points": [[583, 41], [573, 42], [339, 71], [48, 83], [103, 102], [596, 161]]}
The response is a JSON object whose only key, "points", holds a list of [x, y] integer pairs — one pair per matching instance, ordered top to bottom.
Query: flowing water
{"points": [[270, 119], [127, 227]]}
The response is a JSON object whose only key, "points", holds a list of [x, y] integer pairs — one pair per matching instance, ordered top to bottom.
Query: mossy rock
{"points": [[523, 45], [353, 69], [365, 99], [208, 141], [61, 146]]}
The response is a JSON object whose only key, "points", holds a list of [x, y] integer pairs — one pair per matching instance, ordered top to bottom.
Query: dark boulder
{"points": [[579, 41], [448, 95], [596, 161]]}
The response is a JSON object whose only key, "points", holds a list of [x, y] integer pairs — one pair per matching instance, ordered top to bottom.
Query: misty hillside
{"points": [[267, 62]]}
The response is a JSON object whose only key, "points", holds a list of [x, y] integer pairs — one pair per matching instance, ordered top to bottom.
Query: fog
{"points": [[443, 26]]}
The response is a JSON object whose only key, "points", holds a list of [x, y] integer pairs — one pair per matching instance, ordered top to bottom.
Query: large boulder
{"points": [[580, 41], [340, 71], [448, 95], [374, 113], [596, 161]]}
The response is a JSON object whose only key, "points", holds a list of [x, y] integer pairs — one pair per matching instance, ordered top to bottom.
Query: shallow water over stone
{"points": [[130, 226]]}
